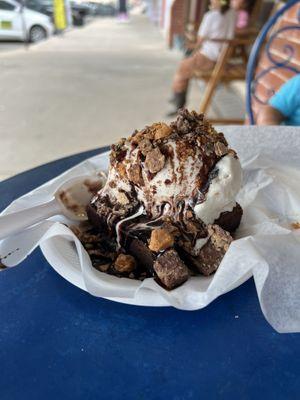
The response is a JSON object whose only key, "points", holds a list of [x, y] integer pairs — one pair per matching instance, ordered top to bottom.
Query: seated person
{"points": [[242, 8], [218, 23], [284, 106]]}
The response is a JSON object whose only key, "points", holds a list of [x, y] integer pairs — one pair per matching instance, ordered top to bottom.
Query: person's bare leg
{"points": [[184, 73]]}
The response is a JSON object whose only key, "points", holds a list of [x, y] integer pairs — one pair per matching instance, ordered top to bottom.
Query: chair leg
{"points": [[215, 78], [208, 93]]}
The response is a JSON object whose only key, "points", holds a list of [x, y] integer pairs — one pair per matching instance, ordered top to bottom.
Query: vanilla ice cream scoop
{"points": [[172, 171], [222, 190]]}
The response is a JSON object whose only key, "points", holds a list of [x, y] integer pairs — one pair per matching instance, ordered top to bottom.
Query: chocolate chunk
{"points": [[187, 122], [146, 133], [145, 146], [220, 149], [118, 152], [155, 161], [135, 175], [170, 269]]}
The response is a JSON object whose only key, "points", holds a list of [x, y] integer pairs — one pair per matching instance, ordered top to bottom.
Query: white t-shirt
{"points": [[215, 25]]}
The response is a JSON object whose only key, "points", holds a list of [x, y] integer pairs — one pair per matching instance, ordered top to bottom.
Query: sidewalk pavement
{"points": [[86, 89]]}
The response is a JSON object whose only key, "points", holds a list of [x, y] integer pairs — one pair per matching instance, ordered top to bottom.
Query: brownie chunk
{"points": [[96, 219], [230, 220], [144, 256], [170, 269]]}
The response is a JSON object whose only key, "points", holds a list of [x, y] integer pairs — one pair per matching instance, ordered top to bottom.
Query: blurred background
{"points": [[76, 75]]}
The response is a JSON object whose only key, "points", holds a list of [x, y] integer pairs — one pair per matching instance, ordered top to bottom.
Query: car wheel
{"points": [[37, 33]]}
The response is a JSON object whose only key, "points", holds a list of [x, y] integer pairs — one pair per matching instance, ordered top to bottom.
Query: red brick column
{"points": [[177, 19]]}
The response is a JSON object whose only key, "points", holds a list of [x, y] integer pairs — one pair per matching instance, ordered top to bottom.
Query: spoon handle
{"points": [[16, 222]]}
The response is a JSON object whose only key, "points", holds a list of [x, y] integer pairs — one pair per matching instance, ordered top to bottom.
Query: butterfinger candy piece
{"points": [[161, 130], [161, 239], [124, 263]]}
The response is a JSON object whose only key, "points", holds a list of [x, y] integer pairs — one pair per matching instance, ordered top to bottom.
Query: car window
{"points": [[32, 4], [6, 6]]}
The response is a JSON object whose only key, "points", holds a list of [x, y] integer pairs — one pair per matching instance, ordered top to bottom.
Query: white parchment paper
{"points": [[267, 246]]}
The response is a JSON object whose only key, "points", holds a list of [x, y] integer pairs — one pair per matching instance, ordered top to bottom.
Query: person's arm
{"points": [[199, 41], [194, 44], [283, 104], [268, 115]]}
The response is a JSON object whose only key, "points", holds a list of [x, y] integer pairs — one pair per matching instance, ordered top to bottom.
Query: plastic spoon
{"points": [[69, 200]]}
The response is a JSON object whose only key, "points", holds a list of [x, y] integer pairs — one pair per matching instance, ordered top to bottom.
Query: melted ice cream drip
{"points": [[119, 224]]}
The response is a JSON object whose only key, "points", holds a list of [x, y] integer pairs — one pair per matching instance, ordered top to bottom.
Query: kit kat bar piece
{"points": [[212, 253], [170, 269]]}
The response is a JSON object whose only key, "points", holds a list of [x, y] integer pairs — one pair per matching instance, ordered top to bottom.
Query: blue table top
{"points": [[57, 341]]}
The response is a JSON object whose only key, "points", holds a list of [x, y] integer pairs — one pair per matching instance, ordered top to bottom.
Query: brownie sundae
{"points": [[168, 207]]}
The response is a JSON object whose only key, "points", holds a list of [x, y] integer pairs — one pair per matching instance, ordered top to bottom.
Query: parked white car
{"points": [[20, 23]]}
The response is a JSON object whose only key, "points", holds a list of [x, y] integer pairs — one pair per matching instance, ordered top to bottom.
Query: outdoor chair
{"points": [[274, 59], [231, 65]]}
